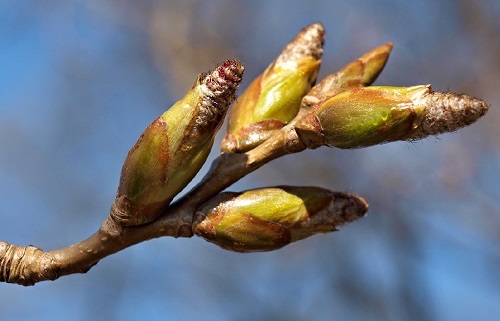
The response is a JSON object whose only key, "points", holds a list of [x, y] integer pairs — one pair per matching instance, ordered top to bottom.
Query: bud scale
{"points": [[447, 112]]}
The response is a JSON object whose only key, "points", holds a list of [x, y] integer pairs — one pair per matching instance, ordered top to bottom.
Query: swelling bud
{"points": [[361, 72], [273, 99], [368, 116], [174, 147], [269, 218]]}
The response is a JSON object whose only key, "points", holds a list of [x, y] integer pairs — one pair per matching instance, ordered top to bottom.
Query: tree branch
{"points": [[341, 111], [29, 265]]}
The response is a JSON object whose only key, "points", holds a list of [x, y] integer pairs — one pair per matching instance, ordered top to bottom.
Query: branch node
{"points": [[26, 265]]}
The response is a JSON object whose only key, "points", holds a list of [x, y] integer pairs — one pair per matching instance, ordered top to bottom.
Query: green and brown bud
{"points": [[359, 73], [273, 98], [367, 116], [174, 147], [269, 218]]}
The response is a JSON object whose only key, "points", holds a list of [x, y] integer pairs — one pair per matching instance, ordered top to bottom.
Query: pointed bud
{"points": [[359, 73], [273, 98], [446, 112], [369, 116], [174, 147], [269, 218]]}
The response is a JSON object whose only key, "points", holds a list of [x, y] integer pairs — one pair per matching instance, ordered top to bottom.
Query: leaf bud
{"points": [[360, 73], [273, 98], [368, 116], [174, 147], [267, 219]]}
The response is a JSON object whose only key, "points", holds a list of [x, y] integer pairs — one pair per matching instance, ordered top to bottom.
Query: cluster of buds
{"points": [[341, 111], [344, 111], [269, 218]]}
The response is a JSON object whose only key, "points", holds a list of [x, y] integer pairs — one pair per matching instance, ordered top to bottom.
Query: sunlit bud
{"points": [[359, 73], [273, 98], [369, 116], [174, 147], [269, 218]]}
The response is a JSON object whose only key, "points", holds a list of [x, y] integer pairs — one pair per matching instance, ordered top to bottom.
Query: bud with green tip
{"points": [[359, 73], [273, 98], [369, 116], [174, 147], [269, 218]]}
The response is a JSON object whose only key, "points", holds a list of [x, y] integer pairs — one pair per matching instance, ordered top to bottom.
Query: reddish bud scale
{"points": [[218, 90]]}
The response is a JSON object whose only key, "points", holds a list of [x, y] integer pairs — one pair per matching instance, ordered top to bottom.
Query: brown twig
{"points": [[29, 265]]}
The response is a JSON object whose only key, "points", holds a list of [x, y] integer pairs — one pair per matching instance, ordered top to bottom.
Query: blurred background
{"points": [[80, 80]]}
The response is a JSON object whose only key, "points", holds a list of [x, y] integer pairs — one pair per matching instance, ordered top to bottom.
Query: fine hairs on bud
{"points": [[309, 42], [218, 88], [446, 112]]}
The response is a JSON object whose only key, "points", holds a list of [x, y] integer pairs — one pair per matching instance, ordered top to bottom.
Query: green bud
{"points": [[359, 73], [273, 98], [369, 116], [174, 147], [269, 218]]}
